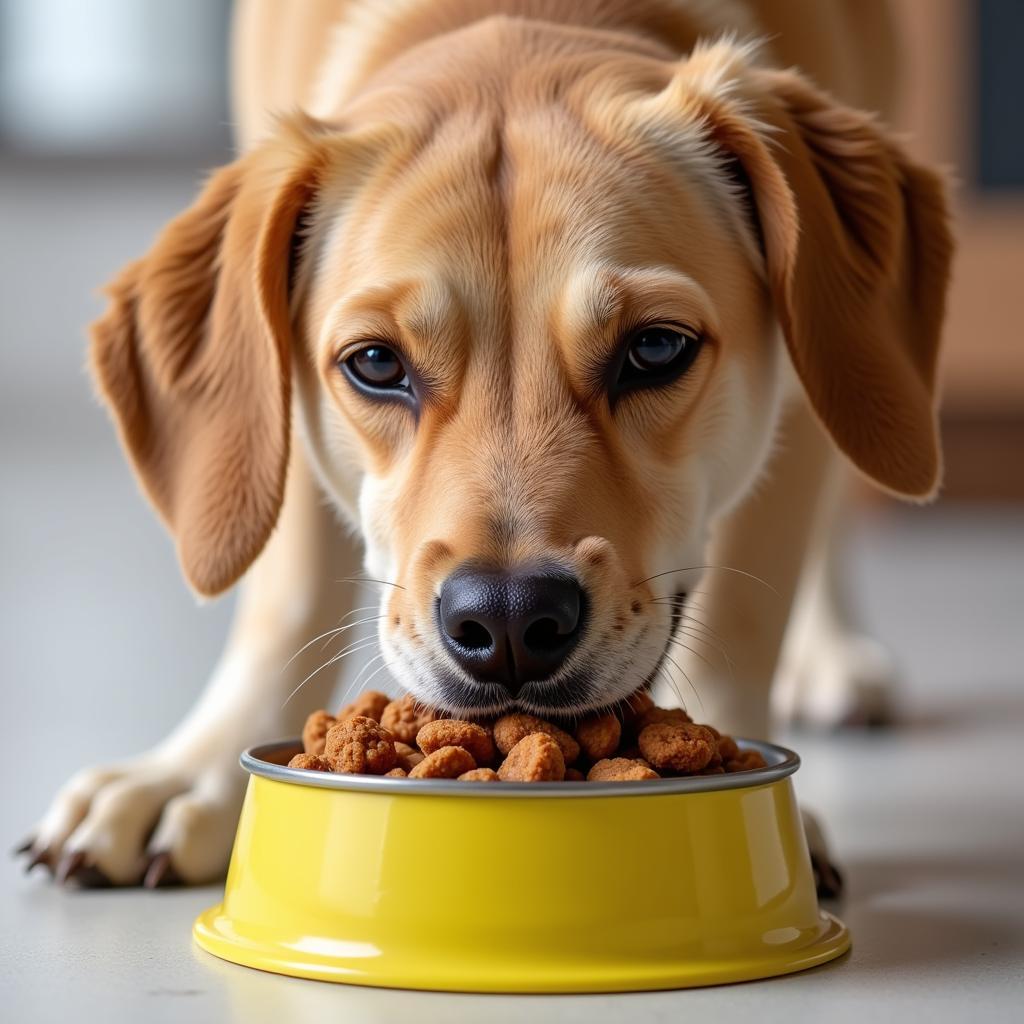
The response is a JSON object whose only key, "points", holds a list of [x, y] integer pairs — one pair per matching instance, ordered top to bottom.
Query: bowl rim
{"points": [[782, 762]]}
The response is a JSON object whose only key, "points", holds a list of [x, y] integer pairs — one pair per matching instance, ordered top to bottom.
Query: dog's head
{"points": [[527, 291]]}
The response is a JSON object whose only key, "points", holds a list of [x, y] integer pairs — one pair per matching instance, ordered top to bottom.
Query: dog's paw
{"points": [[836, 680], [140, 822], [828, 880]]}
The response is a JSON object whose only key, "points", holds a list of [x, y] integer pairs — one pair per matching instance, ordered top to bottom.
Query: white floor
{"points": [[101, 649]]}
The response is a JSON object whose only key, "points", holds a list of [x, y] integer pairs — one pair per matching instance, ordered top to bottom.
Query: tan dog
{"points": [[555, 297]]}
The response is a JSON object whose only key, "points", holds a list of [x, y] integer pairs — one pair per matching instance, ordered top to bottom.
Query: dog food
{"points": [[399, 739]]}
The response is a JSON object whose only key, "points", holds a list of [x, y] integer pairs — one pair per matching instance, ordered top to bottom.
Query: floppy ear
{"points": [[858, 248], [193, 358]]}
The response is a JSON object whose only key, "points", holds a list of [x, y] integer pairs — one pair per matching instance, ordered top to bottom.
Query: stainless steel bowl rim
{"points": [[782, 763]]}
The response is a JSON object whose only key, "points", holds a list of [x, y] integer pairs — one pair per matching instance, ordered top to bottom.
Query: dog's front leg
{"points": [[738, 616], [171, 811]]}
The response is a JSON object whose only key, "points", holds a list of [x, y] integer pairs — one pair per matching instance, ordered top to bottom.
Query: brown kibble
{"points": [[370, 704], [660, 716], [405, 717], [509, 730], [314, 732], [453, 732], [599, 736], [400, 738], [360, 746], [681, 747], [727, 749], [408, 757], [537, 757], [748, 761], [311, 762], [446, 763], [621, 769], [480, 775]]}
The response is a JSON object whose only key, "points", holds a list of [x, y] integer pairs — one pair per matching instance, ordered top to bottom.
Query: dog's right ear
{"points": [[193, 356]]}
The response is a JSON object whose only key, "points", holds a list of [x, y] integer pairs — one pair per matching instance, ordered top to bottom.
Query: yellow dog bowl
{"points": [[503, 887]]}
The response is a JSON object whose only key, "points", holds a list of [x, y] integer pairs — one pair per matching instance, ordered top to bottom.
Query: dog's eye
{"points": [[656, 354], [377, 367]]}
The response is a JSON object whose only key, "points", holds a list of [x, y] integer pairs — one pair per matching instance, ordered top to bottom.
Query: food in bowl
{"points": [[375, 735]]}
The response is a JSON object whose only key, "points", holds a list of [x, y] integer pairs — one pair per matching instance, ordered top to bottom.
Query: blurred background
{"points": [[112, 111]]}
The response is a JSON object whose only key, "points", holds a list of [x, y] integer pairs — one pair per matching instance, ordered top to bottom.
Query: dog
{"points": [[560, 321]]}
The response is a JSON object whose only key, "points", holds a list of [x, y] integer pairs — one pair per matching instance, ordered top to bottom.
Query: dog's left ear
{"points": [[858, 248], [193, 357]]}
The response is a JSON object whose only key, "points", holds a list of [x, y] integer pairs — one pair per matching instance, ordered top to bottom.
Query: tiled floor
{"points": [[101, 649]]}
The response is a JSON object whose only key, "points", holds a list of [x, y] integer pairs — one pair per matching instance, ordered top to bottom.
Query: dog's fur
{"points": [[500, 188]]}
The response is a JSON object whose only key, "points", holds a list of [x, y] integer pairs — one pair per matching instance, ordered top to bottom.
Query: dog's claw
{"points": [[23, 847], [38, 857], [69, 866], [74, 868], [160, 872], [827, 878]]}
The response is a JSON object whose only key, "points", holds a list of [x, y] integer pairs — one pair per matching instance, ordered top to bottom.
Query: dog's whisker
{"points": [[704, 568], [369, 579], [693, 622], [352, 625], [330, 632], [716, 645], [353, 648], [696, 654], [376, 672], [687, 678], [673, 685], [353, 687]]}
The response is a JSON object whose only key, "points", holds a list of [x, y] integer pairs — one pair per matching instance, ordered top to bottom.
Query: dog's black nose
{"points": [[510, 626]]}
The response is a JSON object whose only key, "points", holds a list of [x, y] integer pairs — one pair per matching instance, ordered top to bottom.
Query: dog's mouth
{"points": [[565, 697]]}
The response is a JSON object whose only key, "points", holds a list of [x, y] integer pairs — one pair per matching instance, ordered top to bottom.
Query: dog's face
{"points": [[534, 342], [540, 364]]}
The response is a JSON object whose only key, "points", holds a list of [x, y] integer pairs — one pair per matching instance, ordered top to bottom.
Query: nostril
{"points": [[543, 635], [473, 636]]}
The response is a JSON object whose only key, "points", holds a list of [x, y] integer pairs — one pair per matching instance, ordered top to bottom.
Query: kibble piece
{"points": [[370, 704], [659, 716], [405, 717], [512, 729], [314, 732], [452, 732], [599, 736], [360, 746], [680, 747], [727, 749], [408, 757], [537, 757], [748, 761], [311, 762], [446, 763], [621, 769], [396, 773], [480, 775], [574, 775]]}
